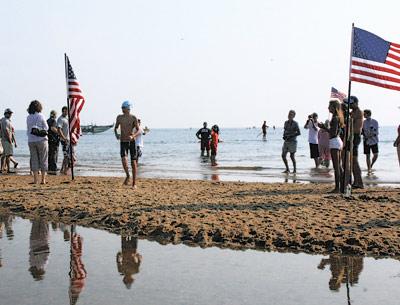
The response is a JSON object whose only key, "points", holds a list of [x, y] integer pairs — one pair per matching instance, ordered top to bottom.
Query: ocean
{"points": [[242, 156]]}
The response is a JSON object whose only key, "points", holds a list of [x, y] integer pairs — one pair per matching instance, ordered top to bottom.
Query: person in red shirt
{"points": [[397, 143], [214, 144]]}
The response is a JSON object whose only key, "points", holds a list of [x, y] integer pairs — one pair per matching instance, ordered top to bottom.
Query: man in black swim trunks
{"points": [[204, 135]]}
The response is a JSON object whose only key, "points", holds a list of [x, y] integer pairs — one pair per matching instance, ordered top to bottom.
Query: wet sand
{"points": [[280, 217]]}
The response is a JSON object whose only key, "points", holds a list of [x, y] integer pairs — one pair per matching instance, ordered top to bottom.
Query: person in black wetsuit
{"points": [[204, 135]]}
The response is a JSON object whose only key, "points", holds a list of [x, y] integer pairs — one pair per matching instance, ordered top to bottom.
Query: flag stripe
{"points": [[357, 65], [371, 73], [371, 82]]}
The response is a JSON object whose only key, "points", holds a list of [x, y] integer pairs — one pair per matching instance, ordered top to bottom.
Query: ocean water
{"points": [[243, 155], [43, 263]]}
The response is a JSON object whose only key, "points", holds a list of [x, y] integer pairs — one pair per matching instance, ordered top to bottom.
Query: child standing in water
{"points": [[214, 144], [323, 145]]}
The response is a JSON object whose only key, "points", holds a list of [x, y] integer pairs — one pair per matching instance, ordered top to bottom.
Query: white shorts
{"points": [[336, 143]]}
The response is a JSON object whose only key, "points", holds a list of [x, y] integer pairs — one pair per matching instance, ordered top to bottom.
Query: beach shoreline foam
{"points": [[236, 215]]}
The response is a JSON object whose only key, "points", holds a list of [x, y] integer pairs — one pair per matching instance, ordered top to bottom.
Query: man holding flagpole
{"points": [[129, 127]]}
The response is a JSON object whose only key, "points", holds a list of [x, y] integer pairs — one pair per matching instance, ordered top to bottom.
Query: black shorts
{"points": [[356, 143], [205, 145], [128, 147], [368, 148], [314, 151]]}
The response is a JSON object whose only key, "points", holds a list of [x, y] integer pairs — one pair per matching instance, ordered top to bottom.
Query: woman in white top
{"points": [[37, 140]]}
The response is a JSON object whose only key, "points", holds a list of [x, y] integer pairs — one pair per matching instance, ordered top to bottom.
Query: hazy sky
{"points": [[229, 62]]}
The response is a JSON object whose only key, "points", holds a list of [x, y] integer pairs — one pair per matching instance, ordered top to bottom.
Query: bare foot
{"points": [[286, 172], [126, 182], [134, 187], [334, 191]]}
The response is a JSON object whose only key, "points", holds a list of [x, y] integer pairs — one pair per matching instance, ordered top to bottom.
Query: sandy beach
{"points": [[280, 217]]}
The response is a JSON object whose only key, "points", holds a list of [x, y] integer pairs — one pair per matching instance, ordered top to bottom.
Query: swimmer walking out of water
{"points": [[128, 124], [204, 135]]}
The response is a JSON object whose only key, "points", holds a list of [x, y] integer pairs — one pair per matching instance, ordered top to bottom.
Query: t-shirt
{"points": [[36, 120], [127, 122], [62, 123], [5, 126], [291, 131], [371, 131], [312, 132], [205, 134], [53, 136], [139, 139]]}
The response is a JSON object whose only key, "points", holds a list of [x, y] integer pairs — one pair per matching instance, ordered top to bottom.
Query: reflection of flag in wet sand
{"points": [[39, 248], [128, 260], [77, 272]]}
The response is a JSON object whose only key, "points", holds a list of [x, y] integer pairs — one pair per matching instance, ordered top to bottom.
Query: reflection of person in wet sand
{"points": [[7, 220], [39, 248], [128, 260], [344, 269], [77, 273]]}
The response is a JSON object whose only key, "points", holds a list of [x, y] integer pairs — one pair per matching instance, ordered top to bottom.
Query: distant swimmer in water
{"points": [[264, 128], [204, 135]]}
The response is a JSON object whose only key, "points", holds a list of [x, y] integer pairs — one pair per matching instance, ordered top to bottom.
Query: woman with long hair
{"points": [[37, 140], [335, 142]]}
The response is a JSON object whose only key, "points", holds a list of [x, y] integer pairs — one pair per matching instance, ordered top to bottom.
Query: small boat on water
{"points": [[93, 128]]}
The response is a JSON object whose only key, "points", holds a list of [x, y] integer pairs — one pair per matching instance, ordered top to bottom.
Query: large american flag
{"points": [[375, 61], [335, 93], [76, 102]]}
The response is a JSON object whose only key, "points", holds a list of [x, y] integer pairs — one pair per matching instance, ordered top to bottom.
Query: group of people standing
{"points": [[209, 139], [328, 140]]}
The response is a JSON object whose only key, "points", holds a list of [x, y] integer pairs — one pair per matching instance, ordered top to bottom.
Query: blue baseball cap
{"points": [[126, 105]]}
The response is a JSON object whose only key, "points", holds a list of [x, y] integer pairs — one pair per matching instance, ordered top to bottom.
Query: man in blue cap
{"points": [[127, 124]]}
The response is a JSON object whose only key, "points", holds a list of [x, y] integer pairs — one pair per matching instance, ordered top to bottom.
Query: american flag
{"points": [[375, 61], [335, 93], [76, 102]]}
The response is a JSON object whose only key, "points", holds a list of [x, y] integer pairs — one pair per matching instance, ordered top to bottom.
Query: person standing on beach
{"points": [[357, 119], [128, 123], [312, 126], [63, 132], [370, 133], [204, 134], [290, 134], [37, 140], [8, 141], [139, 141], [54, 142], [335, 142], [397, 143], [214, 144], [323, 145]]}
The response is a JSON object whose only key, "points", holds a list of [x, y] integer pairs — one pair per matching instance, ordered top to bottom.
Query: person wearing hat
{"points": [[129, 131], [7, 140], [54, 142]]}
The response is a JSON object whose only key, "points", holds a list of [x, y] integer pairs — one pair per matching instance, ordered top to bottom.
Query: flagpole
{"points": [[69, 119], [347, 129]]}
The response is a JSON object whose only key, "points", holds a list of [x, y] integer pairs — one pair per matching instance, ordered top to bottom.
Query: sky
{"points": [[234, 63]]}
